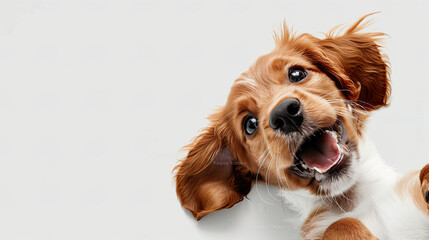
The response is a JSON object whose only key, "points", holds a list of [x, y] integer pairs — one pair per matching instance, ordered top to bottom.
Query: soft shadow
{"points": [[263, 212]]}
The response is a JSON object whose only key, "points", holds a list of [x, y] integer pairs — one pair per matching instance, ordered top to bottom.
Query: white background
{"points": [[97, 98]]}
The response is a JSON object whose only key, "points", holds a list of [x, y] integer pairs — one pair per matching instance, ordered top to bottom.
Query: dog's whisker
{"points": [[335, 91], [257, 175], [267, 180], [336, 202]]}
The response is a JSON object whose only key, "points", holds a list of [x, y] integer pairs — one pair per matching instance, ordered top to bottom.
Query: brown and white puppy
{"points": [[296, 120]]}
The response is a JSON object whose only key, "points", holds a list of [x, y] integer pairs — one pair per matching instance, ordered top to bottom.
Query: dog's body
{"points": [[296, 120]]}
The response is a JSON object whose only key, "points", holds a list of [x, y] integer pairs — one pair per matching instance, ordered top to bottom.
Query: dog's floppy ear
{"points": [[355, 62], [209, 178]]}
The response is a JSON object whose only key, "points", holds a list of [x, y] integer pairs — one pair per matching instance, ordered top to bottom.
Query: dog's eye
{"points": [[297, 74], [250, 124]]}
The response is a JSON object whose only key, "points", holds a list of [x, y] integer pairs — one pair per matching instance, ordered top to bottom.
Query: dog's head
{"points": [[294, 120]]}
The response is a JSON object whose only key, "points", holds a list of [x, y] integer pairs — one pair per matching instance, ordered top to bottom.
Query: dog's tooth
{"points": [[330, 132], [333, 133], [303, 165], [318, 170], [318, 177]]}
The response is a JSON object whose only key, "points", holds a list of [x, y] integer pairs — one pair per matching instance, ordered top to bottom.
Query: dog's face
{"points": [[294, 120], [295, 125]]}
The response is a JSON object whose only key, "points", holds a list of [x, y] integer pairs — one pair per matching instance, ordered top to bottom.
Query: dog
{"points": [[296, 120]]}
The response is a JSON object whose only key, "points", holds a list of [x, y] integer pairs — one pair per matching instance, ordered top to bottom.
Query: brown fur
{"points": [[222, 162], [424, 173], [206, 181], [424, 189], [348, 229]]}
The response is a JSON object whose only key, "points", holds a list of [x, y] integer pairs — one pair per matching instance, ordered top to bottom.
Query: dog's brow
{"points": [[246, 104]]}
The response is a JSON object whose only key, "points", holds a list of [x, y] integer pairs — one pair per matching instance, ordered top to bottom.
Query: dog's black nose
{"points": [[287, 116]]}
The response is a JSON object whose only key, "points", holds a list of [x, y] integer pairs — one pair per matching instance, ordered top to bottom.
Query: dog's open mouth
{"points": [[322, 152]]}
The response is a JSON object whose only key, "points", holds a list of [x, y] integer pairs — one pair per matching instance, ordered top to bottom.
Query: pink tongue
{"points": [[321, 152]]}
